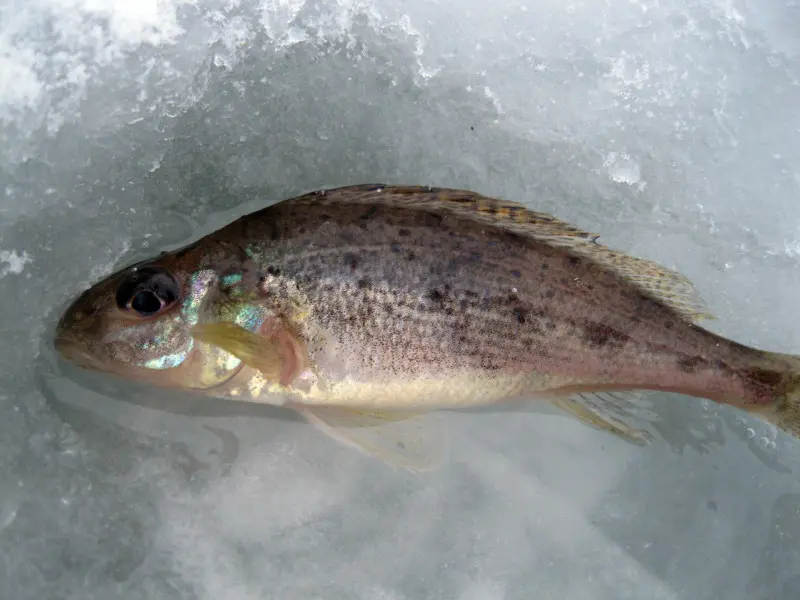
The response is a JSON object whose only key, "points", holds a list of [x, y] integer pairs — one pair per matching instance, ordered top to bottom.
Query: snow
{"points": [[670, 127], [11, 262]]}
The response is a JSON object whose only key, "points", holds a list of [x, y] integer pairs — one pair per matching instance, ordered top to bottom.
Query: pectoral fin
{"points": [[273, 351], [406, 440]]}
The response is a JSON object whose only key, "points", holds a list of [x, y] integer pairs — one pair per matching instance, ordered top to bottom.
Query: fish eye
{"points": [[147, 291]]}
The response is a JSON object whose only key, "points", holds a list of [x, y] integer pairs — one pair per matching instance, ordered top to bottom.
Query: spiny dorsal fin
{"points": [[657, 282]]}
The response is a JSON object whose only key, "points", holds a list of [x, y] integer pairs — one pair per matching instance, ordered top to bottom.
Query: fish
{"points": [[369, 309]]}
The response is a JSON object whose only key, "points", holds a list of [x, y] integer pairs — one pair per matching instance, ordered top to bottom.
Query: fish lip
{"points": [[74, 350]]}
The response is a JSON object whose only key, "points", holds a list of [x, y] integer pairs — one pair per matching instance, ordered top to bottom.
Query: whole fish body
{"points": [[364, 307]]}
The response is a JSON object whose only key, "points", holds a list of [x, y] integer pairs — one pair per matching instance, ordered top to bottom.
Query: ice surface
{"points": [[669, 126]]}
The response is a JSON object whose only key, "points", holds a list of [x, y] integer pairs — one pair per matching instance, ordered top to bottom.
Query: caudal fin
{"points": [[782, 383]]}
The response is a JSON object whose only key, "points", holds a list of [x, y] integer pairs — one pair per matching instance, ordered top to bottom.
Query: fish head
{"points": [[137, 323]]}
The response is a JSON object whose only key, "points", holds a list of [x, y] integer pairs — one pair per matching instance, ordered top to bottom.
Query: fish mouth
{"points": [[73, 350]]}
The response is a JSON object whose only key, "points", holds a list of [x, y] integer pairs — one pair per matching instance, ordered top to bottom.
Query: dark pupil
{"points": [[147, 291], [146, 303]]}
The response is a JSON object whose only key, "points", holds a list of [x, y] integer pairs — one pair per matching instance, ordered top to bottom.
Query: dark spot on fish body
{"points": [[370, 212], [433, 220], [274, 231], [403, 232], [411, 257], [351, 260], [574, 261], [545, 266], [435, 295], [600, 335], [690, 364], [720, 365], [767, 377]]}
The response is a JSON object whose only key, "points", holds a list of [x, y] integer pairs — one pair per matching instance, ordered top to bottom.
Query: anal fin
{"points": [[619, 413], [406, 440]]}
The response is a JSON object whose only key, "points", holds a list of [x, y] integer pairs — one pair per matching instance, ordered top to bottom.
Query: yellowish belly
{"points": [[462, 390]]}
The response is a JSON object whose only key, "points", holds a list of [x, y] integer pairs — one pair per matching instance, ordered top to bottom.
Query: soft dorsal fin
{"points": [[657, 282]]}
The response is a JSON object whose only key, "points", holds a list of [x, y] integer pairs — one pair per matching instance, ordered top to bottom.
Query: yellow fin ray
{"points": [[254, 350]]}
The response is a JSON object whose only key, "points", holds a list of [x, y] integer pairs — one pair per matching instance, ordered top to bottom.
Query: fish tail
{"points": [[778, 381]]}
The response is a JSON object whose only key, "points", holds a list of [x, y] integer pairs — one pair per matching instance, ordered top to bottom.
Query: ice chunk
{"points": [[13, 262]]}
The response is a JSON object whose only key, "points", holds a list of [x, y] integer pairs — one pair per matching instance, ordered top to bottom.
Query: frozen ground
{"points": [[669, 126]]}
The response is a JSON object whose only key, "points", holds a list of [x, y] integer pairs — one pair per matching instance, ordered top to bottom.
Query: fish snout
{"points": [[76, 349]]}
